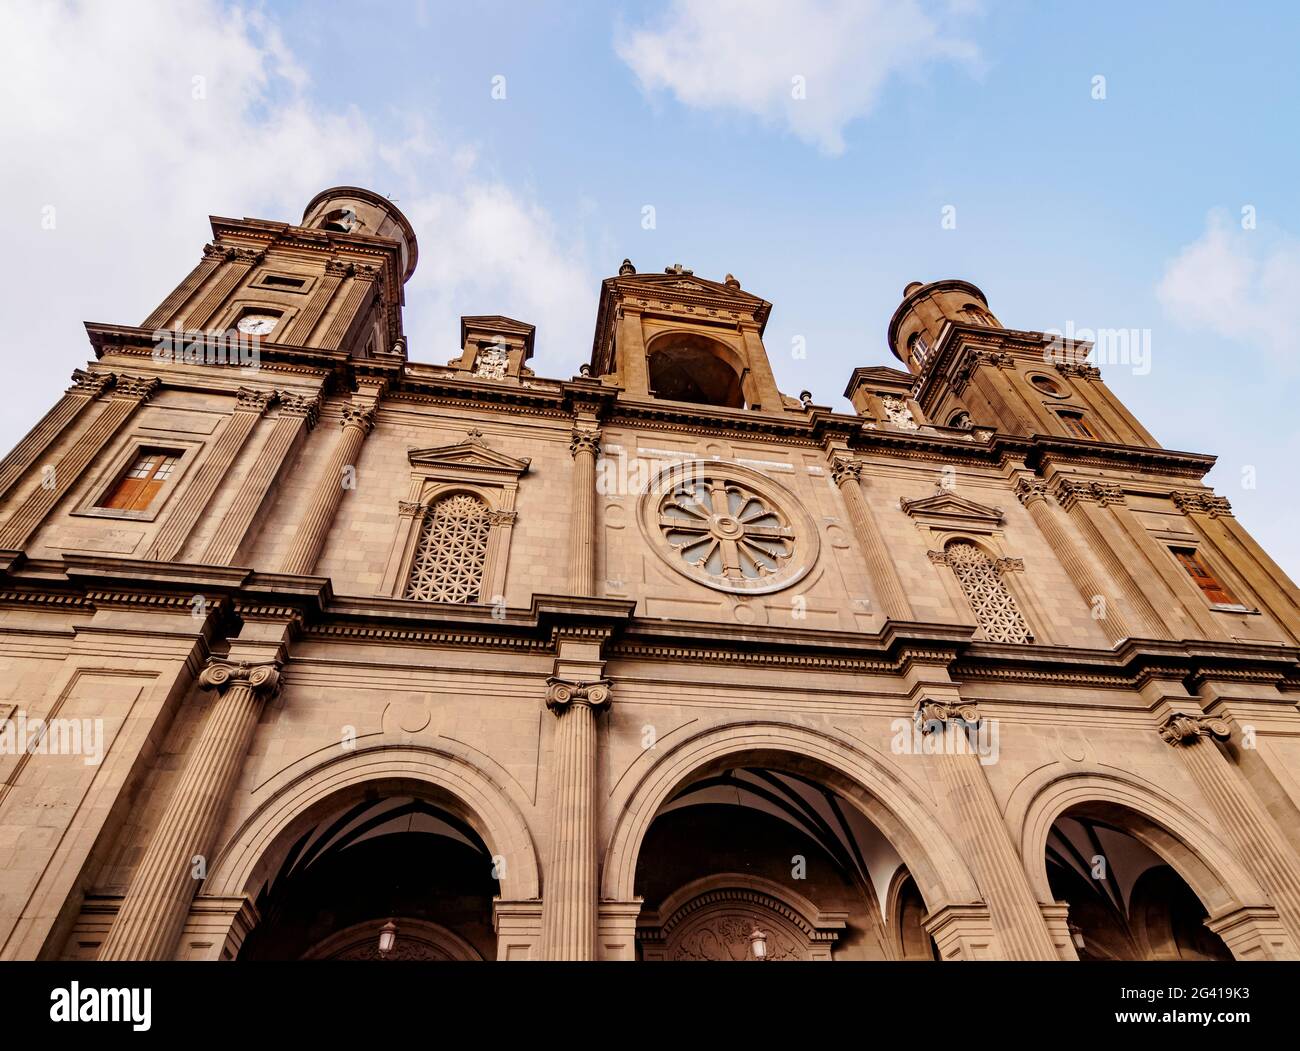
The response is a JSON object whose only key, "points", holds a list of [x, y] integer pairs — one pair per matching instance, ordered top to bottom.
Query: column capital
{"points": [[91, 383], [136, 388], [249, 400], [294, 404], [362, 416], [584, 441], [845, 468], [1030, 490], [1190, 501], [262, 679], [562, 693], [931, 714], [1184, 728]]}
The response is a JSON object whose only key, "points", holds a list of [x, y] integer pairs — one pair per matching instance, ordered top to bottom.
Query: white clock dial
{"points": [[257, 324]]}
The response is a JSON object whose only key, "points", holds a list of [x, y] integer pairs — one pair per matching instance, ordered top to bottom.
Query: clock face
{"points": [[257, 324]]}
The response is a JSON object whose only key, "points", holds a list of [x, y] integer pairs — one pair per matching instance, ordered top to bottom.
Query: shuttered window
{"points": [[140, 483], [1216, 593]]}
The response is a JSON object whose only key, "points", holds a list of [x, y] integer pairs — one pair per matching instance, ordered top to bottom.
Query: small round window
{"points": [[1048, 386]]}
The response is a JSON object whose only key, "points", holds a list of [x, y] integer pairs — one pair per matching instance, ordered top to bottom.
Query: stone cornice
{"points": [[81, 583]]}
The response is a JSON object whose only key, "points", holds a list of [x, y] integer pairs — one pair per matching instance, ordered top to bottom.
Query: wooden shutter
{"points": [[140, 483], [1215, 592]]}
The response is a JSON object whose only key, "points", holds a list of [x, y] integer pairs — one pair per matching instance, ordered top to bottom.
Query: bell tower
{"points": [[334, 282], [675, 337], [970, 370]]}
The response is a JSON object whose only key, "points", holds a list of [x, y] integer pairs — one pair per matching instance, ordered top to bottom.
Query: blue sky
{"points": [[1121, 212]]}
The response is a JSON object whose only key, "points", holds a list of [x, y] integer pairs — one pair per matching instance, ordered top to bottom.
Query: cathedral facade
{"points": [[312, 651]]}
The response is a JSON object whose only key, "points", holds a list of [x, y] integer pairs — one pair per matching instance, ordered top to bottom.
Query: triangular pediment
{"points": [[686, 283], [469, 455], [949, 507]]}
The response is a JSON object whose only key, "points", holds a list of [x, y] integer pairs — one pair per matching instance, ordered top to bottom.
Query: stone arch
{"points": [[689, 366], [862, 776], [441, 777], [1154, 818]]}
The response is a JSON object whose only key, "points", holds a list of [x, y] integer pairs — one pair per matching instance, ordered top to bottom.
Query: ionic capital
{"points": [[263, 680], [563, 693], [932, 715], [1182, 728]]}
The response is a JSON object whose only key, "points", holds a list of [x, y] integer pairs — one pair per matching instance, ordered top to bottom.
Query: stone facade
{"points": [[300, 636]]}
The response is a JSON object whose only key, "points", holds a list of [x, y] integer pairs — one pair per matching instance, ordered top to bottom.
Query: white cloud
{"points": [[745, 55], [102, 119], [1239, 284]]}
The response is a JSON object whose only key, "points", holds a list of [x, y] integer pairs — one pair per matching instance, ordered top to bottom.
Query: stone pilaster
{"points": [[361, 288], [305, 323], [86, 387], [128, 395], [250, 405], [298, 414], [1033, 494], [1080, 501], [314, 526], [582, 534], [880, 564], [1260, 844], [158, 900], [569, 904], [1015, 913]]}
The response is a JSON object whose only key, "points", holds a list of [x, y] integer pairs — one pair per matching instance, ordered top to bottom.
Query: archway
{"points": [[691, 368], [807, 813], [318, 820], [388, 861], [1126, 902]]}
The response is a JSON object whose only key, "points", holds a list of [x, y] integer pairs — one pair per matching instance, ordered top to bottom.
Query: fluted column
{"points": [[86, 387], [128, 395], [249, 408], [298, 414], [1033, 494], [1080, 499], [314, 526], [582, 534], [880, 565], [1260, 844], [570, 900], [1013, 908], [153, 912]]}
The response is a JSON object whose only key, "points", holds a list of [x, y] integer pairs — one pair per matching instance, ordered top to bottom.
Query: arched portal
{"points": [[763, 801], [396, 862], [1126, 902]]}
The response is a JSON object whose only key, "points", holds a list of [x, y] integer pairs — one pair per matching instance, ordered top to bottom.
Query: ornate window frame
{"points": [[188, 450], [466, 467], [944, 518], [805, 540]]}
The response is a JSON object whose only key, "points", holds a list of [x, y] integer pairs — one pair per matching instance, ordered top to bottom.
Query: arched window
{"points": [[977, 316], [918, 350], [691, 368], [960, 420], [451, 551], [989, 599]]}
